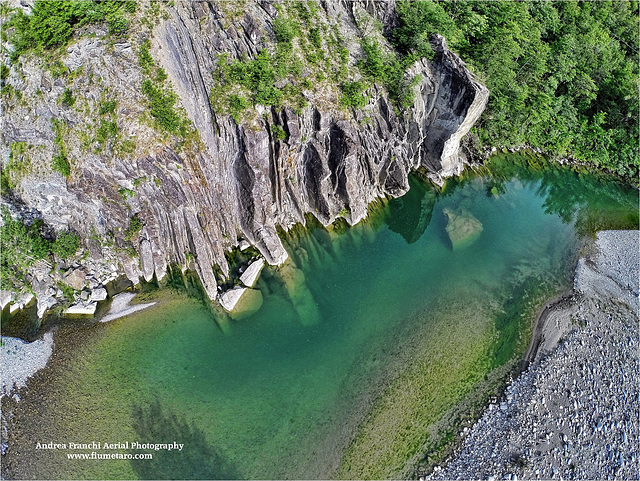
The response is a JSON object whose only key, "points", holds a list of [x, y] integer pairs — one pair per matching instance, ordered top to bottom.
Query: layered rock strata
{"points": [[240, 182]]}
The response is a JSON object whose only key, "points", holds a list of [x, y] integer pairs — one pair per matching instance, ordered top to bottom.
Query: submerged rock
{"points": [[462, 228], [301, 297], [241, 302], [249, 303]]}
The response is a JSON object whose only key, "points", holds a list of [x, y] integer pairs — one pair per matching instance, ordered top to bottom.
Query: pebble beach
{"points": [[573, 414]]}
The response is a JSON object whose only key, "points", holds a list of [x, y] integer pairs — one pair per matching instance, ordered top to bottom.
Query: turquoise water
{"points": [[307, 386]]}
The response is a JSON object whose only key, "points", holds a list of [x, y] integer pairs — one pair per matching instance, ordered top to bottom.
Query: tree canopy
{"points": [[563, 75]]}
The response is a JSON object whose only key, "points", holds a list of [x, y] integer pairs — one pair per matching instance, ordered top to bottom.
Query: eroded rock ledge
{"points": [[241, 182]]}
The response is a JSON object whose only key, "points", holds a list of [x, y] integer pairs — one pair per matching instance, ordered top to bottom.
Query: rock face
{"points": [[241, 182]]}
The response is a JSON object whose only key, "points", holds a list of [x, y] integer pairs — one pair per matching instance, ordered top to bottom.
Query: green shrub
{"points": [[52, 23], [118, 25], [285, 29], [315, 37], [144, 56], [373, 64], [4, 72], [352, 94], [67, 98], [162, 103], [236, 105], [107, 107], [108, 130], [278, 132], [128, 146], [61, 164], [139, 180], [125, 193], [135, 226], [65, 245], [20, 247], [67, 291]]}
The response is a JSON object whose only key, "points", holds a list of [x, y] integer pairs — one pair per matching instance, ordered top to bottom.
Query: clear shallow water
{"points": [[390, 329]]}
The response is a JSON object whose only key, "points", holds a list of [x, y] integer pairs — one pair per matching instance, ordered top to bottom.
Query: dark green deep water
{"points": [[390, 330]]}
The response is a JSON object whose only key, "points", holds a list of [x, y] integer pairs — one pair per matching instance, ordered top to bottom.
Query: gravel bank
{"points": [[120, 307], [20, 360], [574, 413]]}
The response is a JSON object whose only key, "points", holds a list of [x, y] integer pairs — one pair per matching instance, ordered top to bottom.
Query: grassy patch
{"points": [[161, 97], [60, 162]]}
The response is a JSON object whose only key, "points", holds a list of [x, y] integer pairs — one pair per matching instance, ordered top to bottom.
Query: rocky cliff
{"points": [[237, 180]]}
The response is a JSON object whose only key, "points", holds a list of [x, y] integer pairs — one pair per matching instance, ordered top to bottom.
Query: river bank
{"points": [[573, 412]]}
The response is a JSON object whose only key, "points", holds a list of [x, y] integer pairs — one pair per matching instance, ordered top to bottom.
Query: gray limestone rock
{"points": [[240, 182], [250, 276], [75, 278], [99, 294], [230, 298], [82, 309]]}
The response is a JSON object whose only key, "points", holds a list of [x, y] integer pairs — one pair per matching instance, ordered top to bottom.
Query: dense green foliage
{"points": [[51, 23], [304, 49], [388, 70], [563, 75], [352, 94], [161, 102], [278, 132], [18, 165], [21, 245], [65, 245]]}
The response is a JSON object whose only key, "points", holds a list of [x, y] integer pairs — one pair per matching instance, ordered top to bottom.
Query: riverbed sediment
{"points": [[573, 413]]}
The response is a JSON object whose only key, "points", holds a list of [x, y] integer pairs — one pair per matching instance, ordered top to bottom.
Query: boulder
{"points": [[462, 228], [250, 276], [75, 278], [99, 294], [5, 298], [230, 298], [24, 300], [248, 304], [44, 305], [82, 309]]}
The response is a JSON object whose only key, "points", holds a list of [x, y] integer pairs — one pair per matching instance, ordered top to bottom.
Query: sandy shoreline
{"points": [[573, 412]]}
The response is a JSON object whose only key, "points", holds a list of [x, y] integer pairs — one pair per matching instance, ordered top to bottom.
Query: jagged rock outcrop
{"points": [[240, 182]]}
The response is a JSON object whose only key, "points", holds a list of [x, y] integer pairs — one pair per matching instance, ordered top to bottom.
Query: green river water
{"points": [[389, 341]]}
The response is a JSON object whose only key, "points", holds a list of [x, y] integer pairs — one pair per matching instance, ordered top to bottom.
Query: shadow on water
{"points": [[410, 214], [197, 460]]}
